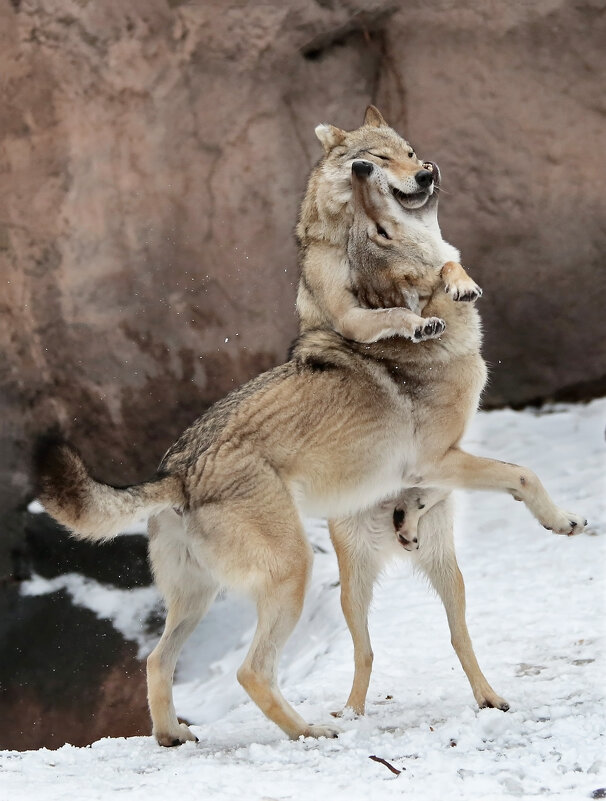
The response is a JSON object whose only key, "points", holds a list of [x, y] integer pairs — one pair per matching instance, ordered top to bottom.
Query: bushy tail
{"points": [[90, 509]]}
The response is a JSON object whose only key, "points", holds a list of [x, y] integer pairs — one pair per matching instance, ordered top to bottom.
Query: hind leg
{"points": [[257, 544], [436, 558], [189, 589], [279, 606], [278, 612]]}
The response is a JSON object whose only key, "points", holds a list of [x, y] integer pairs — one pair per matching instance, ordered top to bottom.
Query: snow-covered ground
{"points": [[536, 606]]}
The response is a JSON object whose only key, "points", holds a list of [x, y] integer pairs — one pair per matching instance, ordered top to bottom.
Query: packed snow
{"points": [[535, 604]]}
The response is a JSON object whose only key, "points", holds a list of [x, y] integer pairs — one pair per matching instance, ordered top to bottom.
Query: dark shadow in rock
{"points": [[50, 551], [65, 675]]}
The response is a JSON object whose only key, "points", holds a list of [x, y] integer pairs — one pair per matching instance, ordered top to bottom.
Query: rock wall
{"points": [[508, 98], [153, 155]]}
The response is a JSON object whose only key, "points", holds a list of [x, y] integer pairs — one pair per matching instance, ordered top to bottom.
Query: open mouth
{"points": [[412, 199], [415, 200]]}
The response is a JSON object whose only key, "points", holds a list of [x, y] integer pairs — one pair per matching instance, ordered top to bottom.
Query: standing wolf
{"points": [[314, 436]]}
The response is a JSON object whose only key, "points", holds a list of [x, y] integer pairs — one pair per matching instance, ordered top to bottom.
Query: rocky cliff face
{"points": [[153, 155]]}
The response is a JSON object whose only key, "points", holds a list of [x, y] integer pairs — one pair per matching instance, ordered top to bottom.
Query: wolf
{"points": [[328, 295], [314, 436]]}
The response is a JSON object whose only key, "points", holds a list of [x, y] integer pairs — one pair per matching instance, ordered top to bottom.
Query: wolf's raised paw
{"points": [[467, 292], [432, 328], [566, 523]]}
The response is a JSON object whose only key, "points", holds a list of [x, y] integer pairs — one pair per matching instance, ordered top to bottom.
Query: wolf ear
{"points": [[374, 117], [329, 136]]}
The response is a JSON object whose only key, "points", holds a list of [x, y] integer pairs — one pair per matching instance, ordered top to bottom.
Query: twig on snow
{"points": [[386, 763]]}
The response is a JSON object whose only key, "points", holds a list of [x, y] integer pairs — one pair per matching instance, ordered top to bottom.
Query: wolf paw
{"points": [[464, 291], [432, 328], [565, 523], [493, 701], [349, 712], [330, 732], [181, 735]]}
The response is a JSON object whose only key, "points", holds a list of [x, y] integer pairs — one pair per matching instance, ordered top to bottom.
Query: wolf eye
{"points": [[411, 154], [377, 155], [382, 232]]}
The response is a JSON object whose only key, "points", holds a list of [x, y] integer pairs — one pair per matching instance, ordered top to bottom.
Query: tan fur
{"points": [[340, 431]]}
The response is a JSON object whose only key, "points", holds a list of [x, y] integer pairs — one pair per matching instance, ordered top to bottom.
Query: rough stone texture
{"points": [[509, 99], [153, 154]]}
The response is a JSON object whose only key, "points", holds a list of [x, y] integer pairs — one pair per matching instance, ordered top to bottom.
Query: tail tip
{"points": [[58, 467]]}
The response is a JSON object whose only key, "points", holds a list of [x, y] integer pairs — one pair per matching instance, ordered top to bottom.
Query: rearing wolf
{"points": [[336, 431]]}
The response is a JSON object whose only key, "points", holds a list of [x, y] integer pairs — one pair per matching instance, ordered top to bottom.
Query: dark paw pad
{"points": [[398, 518], [504, 707]]}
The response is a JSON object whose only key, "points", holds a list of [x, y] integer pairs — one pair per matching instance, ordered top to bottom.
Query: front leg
{"points": [[458, 284], [370, 325], [462, 470], [439, 563], [358, 569]]}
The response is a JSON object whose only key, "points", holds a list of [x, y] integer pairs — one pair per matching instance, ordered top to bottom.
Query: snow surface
{"points": [[536, 604]]}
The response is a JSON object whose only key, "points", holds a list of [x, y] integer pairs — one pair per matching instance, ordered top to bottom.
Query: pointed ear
{"points": [[374, 117], [329, 136]]}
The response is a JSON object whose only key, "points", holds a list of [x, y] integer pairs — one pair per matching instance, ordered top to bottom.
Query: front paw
{"points": [[467, 291], [432, 327], [565, 523], [493, 701]]}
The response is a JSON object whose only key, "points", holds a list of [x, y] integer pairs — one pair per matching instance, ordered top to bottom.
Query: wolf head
{"points": [[326, 212], [383, 228]]}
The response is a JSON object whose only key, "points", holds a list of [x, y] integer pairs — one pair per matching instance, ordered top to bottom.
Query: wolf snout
{"points": [[362, 168], [424, 178]]}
